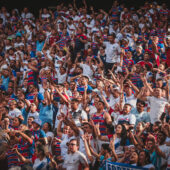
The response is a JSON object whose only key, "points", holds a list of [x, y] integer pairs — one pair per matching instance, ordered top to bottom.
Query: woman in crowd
{"points": [[100, 78]]}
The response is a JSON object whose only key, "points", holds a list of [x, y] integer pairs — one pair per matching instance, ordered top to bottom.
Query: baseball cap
{"points": [[139, 47], [116, 87], [37, 121]]}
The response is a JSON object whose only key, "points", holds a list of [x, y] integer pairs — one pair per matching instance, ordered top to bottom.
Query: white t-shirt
{"points": [[27, 15], [44, 16], [18, 44], [112, 52], [87, 71], [61, 77], [131, 100], [113, 101], [157, 106], [63, 109], [93, 110], [14, 113], [35, 115], [83, 116], [130, 118], [50, 134], [63, 145], [119, 148], [165, 149], [73, 161], [38, 162]]}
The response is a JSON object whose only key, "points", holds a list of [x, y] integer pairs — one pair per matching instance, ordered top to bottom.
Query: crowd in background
{"points": [[80, 87]]}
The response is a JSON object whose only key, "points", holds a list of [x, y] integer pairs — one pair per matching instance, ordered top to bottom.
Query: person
{"points": [[80, 41], [112, 52], [113, 66], [157, 103], [14, 111], [33, 111], [46, 112], [76, 113], [140, 114], [101, 117], [126, 117], [47, 128], [37, 132], [64, 137], [120, 138], [75, 157], [144, 160], [40, 162]]}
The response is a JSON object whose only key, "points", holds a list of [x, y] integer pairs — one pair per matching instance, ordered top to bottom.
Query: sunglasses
{"points": [[72, 144]]}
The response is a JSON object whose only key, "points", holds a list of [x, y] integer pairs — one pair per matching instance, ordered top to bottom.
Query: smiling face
{"points": [[126, 109], [118, 129], [150, 145], [133, 158]]}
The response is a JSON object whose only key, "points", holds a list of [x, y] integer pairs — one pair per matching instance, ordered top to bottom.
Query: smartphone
{"points": [[162, 117]]}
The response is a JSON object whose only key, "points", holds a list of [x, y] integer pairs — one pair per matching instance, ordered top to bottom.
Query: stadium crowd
{"points": [[81, 87]]}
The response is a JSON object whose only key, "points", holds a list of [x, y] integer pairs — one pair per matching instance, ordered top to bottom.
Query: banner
{"points": [[122, 166]]}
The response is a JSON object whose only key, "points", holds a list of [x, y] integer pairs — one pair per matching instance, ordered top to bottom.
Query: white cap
{"points": [[37, 121]]}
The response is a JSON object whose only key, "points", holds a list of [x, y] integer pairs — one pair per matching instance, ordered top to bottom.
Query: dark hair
{"points": [[113, 35], [86, 78], [159, 79], [75, 100], [101, 102], [141, 102], [127, 104], [32, 117], [20, 120], [158, 123], [49, 126], [110, 128], [28, 133], [123, 135], [164, 135], [151, 139], [77, 140], [105, 146], [147, 158]]}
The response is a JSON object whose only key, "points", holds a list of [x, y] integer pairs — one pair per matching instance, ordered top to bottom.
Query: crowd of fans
{"points": [[80, 87]]}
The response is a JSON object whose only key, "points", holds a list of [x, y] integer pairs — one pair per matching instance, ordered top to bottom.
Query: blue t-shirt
{"points": [[39, 45], [5, 82], [46, 113], [24, 114], [38, 134]]}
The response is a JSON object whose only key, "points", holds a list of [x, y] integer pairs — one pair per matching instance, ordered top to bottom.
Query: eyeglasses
{"points": [[72, 144]]}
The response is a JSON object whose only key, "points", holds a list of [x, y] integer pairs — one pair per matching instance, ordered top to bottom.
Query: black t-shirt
{"points": [[78, 44]]}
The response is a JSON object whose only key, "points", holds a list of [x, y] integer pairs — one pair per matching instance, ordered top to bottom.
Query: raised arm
{"points": [[143, 78], [61, 95], [47, 96], [104, 100], [59, 131], [84, 137], [27, 138]]}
